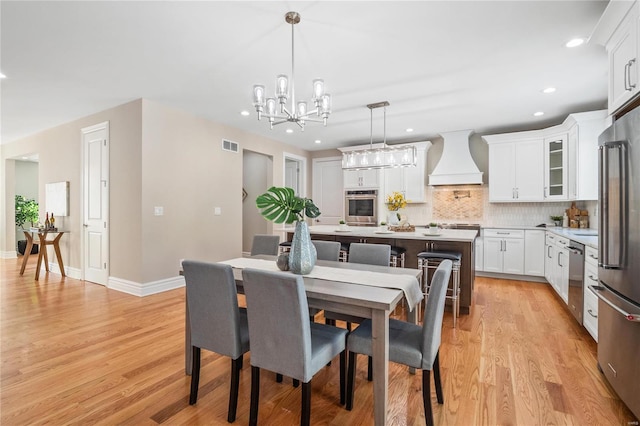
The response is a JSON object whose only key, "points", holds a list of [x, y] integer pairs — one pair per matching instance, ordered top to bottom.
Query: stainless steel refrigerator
{"points": [[619, 258]]}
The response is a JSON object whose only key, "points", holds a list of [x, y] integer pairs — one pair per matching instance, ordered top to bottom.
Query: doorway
{"points": [[26, 171], [295, 171], [257, 177]]}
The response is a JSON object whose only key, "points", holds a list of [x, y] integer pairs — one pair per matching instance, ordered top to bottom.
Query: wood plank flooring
{"points": [[78, 353]]}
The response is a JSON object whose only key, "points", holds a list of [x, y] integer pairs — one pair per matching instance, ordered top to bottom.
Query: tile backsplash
{"points": [[470, 204]]}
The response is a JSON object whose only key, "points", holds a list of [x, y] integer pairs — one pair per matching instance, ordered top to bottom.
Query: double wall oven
{"points": [[361, 207]]}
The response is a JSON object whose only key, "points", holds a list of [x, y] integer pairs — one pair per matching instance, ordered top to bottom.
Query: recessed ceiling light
{"points": [[575, 42], [549, 90], [244, 113], [538, 114], [289, 130], [409, 130], [318, 141], [25, 158]]}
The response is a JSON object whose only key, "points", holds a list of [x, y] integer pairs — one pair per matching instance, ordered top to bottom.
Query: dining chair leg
{"points": [[241, 362], [370, 369], [343, 373], [195, 375], [278, 377], [351, 378], [436, 378], [296, 383], [233, 392], [255, 395], [426, 397], [305, 419]]}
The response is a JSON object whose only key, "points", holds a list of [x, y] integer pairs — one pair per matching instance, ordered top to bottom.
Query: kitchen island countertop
{"points": [[461, 235]]}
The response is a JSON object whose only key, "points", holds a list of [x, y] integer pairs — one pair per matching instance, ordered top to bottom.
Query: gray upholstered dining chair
{"points": [[265, 244], [327, 250], [369, 254], [216, 322], [282, 339], [410, 344]]}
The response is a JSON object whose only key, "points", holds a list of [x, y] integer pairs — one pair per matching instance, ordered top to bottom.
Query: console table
{"points": [[42, 236]]}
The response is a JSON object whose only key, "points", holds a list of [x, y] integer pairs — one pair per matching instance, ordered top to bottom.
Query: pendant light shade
{"points": [[384, 157]]}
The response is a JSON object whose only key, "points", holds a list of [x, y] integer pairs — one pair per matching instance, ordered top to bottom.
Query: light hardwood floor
{"points": [[77, 353]]}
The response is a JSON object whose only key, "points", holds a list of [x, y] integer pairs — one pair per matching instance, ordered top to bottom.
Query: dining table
{"points": [[367, 291]]}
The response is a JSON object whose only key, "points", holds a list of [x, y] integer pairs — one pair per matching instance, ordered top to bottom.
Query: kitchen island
{"points": [[458, 240]]}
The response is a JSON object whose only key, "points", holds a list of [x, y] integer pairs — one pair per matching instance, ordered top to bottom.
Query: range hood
{"points": [[456, 167]]}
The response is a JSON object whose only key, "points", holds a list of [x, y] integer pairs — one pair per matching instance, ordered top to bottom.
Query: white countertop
{"points": [[462, 235], [578, 235], [586, 236]]}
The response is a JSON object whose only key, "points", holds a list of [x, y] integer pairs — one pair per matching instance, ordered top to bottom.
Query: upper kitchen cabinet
{"points": [[617, 30], [559, 163], [515, 167], [556, 167], [354, 179], [409, 180]]}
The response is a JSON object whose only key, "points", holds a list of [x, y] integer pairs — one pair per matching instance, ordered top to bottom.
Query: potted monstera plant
{"points": [[282, 205]]}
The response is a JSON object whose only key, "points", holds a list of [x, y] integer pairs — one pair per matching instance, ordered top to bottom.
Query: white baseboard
{"points": [[11, 254], [55, 269], [514, 277], [145, 289]]}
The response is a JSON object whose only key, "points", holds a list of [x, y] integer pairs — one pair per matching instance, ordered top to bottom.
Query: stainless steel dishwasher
{"points": [[576, 277]]}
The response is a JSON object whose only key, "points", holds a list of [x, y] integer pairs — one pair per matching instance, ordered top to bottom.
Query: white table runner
{"points": [[407, 283]]}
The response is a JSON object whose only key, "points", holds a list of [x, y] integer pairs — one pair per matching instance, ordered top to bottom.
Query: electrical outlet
{"points": [[158, 211], [217, 211]]}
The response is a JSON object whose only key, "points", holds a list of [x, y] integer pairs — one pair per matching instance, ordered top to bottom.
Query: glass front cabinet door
{"points": [[556, 167]]}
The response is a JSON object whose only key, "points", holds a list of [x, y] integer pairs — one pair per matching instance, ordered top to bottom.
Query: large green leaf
{"points": [[281, 205]]}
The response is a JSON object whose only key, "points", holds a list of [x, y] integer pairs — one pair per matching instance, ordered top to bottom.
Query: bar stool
{"points": [[284, 247], [344, 252], [397, 257], [431, 260]]}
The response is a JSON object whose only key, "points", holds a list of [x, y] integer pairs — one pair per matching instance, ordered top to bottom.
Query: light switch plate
{"points": [[158, 211], [217, 211]]}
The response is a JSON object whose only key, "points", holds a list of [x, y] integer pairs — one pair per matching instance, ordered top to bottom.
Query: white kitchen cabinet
{"points": [[617, 30], [623, 64], [585, 127], [556, 155], [558, 163], [516, 170], [355, 179], [409, 180], [479, 246], [503, 251], [534, 252], [549, 258], [557, 265], [590, 314]]}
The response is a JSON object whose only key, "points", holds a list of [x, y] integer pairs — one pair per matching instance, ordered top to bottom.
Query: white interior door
{"points": [[292, 175], [328, 191], [95, 237]]}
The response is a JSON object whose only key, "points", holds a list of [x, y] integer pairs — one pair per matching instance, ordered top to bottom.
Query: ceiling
{"points": [[442, 65]]}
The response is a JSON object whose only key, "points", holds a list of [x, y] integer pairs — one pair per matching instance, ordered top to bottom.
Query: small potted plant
{"points": [[557, 220], [342, 226], [433, 228]]}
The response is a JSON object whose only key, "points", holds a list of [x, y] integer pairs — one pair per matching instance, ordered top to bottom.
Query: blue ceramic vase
{"points": [[302, 257]]}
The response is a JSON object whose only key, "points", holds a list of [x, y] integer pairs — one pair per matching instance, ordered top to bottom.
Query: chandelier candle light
{"points": [[297, 112], [384, 157]]}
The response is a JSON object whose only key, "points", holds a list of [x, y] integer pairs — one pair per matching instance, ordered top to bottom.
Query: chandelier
{"points": [[297, 112], [383, 157]]}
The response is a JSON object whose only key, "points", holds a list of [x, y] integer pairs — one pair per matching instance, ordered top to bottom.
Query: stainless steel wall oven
{"points": [[361, 207]]}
